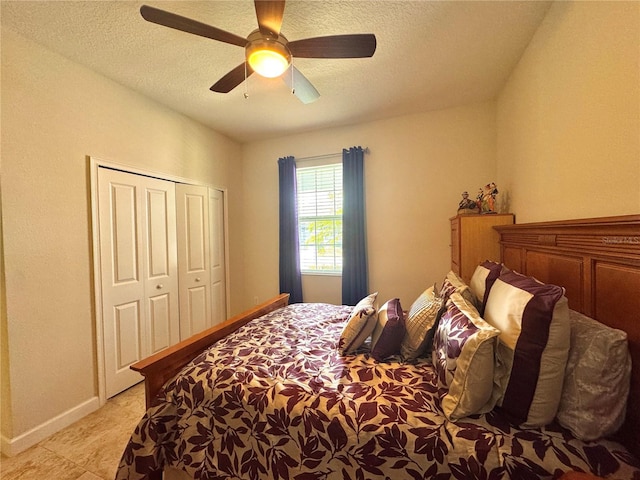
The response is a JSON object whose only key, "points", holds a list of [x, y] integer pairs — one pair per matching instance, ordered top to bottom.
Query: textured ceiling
{"points": [[430, 55]]}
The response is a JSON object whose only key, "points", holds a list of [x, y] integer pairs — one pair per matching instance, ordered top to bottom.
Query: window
{"points": [[320, 218]]}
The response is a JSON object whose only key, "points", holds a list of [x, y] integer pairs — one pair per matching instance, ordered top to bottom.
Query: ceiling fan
{"points": [[267, 51]]}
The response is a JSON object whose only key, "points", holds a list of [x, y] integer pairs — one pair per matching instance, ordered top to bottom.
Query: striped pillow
{"points": [[420, 324], [533, 348]]}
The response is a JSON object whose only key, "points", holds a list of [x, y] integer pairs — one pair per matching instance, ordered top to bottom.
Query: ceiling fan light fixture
{"points": [[267, 56], [268, 63]]}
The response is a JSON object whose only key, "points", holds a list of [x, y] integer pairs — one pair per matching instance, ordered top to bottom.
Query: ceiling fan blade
{"points": [[269, 13], [184, 24], [336, 46], [232, 79], [300, 85]]}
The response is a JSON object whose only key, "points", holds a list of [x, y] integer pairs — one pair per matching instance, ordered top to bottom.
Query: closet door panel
{"points": [[123, 225], [159, 233], [193, 258], [218, 258], [121, 264], [161, 280], [198, 313], [127, 331], [162, 334]]}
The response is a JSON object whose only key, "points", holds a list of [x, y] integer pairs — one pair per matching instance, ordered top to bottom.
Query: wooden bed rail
{"points": [[160, 367]]}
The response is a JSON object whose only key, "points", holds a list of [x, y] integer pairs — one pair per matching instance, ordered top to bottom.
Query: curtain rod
{"points": [[326, 155]]}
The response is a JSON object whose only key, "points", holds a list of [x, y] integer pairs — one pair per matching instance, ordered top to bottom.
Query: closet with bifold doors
{"points": [[162, 269]]}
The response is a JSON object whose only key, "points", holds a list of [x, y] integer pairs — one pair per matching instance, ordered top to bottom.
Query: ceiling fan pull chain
{"points": [[293, 85], [246, 86]]}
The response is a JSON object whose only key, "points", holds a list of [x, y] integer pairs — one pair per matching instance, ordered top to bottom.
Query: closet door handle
{"points": [[197, 279], [159, 286]]}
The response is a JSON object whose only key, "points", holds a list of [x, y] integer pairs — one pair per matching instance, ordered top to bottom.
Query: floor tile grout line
{"points": [[67, 459]]}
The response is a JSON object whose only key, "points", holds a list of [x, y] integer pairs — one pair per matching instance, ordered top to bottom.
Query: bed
{"points": [[269, 395]]}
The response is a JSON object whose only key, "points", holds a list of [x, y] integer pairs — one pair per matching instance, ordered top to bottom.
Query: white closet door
{"points": [[193, 258], [218, 259], [138, 261], [161, 272]]}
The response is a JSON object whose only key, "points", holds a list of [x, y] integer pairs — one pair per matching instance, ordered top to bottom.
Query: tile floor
{"points": [[90, 449]]}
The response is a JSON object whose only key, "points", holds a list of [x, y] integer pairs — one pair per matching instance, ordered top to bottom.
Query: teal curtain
{"points": [[290, 277], [355, 282]]}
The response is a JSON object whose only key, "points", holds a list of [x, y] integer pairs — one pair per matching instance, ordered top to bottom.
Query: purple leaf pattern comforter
{"points": [[275, 400]]}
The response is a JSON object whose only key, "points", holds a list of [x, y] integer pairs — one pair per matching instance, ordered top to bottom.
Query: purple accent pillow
{"points": [[482, 280], [453, 283], [389, 331], [532, 353], [463, 359]]}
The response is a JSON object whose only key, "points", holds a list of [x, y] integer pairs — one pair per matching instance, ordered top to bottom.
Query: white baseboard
{"points": [[13, 446]]}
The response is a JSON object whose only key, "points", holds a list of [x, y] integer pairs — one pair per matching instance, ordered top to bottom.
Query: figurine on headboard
{"points": [[487, 198], [467, 205]]}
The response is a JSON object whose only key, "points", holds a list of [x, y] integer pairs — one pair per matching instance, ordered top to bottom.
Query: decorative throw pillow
{"points": [[482, 280], [453, 283], [420, 324], [359, 326], [389, 331], [534, 345], [463, 358], [596, 380]]}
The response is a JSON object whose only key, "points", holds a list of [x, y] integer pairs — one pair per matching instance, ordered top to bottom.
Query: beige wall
{"points": [[54, 114], [569, 117], [416, 169], [5, 388]]}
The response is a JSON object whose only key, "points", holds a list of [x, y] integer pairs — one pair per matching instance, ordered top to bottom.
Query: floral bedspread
{"points": [[276, 401]]}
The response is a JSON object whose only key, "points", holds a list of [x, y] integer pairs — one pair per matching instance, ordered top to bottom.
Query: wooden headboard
{"points": [[597, 261]]}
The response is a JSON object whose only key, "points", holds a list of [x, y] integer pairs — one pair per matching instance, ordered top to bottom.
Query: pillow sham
{"points": [[483, 278], [453, 283], [420, 324], [359, 326], [389, 331], [534, 345], [463, 358], [596, 380]]}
